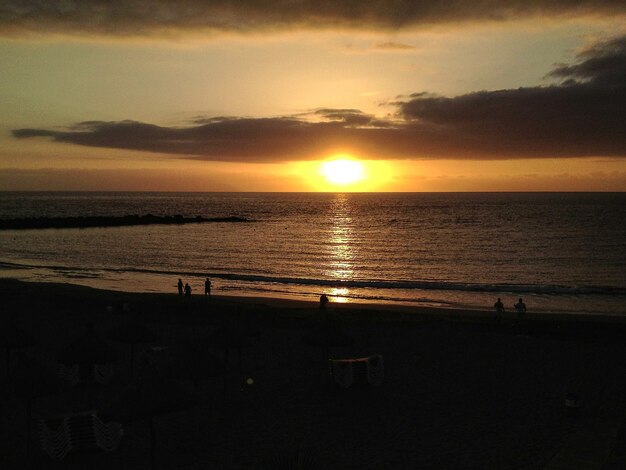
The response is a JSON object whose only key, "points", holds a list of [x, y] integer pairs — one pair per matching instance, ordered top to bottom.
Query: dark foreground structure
{"points": [[240, 388]]}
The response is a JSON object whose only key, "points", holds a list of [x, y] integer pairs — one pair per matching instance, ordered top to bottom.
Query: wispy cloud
{"points": [[135, 18], [394, 46], [581, 115]]}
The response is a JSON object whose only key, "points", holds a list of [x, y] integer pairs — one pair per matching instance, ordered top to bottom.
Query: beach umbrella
{"points": [[132, 332], [327, 336], [13, 337], [227, 337], [87, 351], [190, 360], [195, 361], [29, 379], [147, 398], [291, 459]]}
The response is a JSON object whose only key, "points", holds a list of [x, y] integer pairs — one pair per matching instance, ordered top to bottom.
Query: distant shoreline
{"points": [[102, 221]]}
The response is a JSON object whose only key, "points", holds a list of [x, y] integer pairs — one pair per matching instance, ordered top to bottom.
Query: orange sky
{"points": [[500, 96]]}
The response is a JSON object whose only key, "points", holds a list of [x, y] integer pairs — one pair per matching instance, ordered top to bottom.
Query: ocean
{"points": [[561, 252]]}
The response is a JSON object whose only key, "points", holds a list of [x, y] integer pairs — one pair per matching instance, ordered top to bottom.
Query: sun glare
{"points": [[343, 171]]}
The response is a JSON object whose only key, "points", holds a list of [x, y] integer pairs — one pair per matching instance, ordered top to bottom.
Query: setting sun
{"points": [[343, 171]]}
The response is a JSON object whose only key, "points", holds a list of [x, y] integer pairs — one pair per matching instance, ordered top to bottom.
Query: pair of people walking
{"points": [[186, 289], [520, 307]]}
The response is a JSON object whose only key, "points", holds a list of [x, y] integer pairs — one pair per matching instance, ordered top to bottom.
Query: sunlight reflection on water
{"points": [[342, 254]]}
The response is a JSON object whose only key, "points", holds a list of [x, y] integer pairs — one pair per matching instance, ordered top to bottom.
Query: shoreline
{"points": [[149, 281], [376, 310]]}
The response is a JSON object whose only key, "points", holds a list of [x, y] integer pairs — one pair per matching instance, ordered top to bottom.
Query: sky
{"points": [[215, 95]]}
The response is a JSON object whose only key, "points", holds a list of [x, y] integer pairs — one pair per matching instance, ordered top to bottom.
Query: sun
{"points": [[343, 171]]}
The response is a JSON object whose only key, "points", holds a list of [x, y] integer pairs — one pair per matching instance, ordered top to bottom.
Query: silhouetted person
{"points": [[180, 287], [207, 287], [187, 291], [323, 301], [499, 306], [520, 307]]}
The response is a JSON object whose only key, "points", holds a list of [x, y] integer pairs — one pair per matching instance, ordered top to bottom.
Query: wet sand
{"points": [[460, 390]]}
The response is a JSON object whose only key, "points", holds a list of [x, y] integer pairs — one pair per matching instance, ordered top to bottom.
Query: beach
{"points": [[460, 389]]}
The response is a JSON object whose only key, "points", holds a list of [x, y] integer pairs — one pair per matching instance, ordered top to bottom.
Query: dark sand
{"points": [[460, 391]]}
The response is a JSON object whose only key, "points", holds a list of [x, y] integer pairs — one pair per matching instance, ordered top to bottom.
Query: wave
{"points": [[541, 289]]}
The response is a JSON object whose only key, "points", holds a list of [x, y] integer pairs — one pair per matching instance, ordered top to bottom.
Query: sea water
{"points": [[561, 252]]}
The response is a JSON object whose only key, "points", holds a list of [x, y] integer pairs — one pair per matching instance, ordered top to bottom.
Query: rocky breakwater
{"points": [[103, 221]]}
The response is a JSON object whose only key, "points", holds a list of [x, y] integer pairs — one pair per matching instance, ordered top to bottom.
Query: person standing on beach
{"points": [[180, 287], [207, 287], [187, 291], [323, 301], [499, 306], [520, 307]]}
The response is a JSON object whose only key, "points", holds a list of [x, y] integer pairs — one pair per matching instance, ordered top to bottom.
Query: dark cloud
{"points": [[159, 17], [603, 64], [585, 115], [349, 117], [244, 139]]}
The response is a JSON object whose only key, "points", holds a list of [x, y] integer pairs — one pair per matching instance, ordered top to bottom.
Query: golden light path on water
{"points": [[342, 250]]}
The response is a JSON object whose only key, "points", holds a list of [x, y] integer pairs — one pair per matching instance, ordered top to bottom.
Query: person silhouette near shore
{"points": [[180, 287], [207, 287], [187, 291], [323, 301], [499, 306], [520, 307]]}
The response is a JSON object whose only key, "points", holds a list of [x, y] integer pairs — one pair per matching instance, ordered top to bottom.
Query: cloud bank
{"points": [[158, 17], [584, 114]]}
